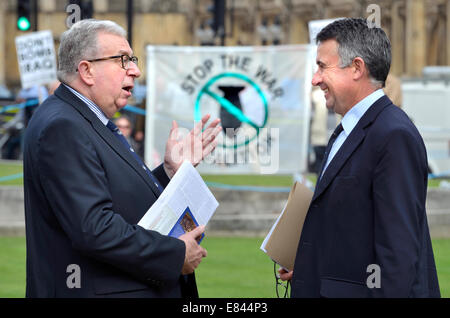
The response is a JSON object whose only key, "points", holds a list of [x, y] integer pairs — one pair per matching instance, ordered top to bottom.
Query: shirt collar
{"points": [[92, 106], [352, 117]]}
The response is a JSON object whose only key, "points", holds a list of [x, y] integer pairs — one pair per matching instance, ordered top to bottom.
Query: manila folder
{"points": [[283, 243]]}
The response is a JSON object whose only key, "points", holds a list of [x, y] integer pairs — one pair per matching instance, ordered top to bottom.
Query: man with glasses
{"points": [[85, 189]]}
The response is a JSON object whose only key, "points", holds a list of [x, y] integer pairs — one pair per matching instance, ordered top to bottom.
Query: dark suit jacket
{"points": [[84, 195], [369, 208]]}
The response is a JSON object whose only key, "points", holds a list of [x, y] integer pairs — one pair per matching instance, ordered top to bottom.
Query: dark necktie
{"points": [[333, 137], [122, 139]]}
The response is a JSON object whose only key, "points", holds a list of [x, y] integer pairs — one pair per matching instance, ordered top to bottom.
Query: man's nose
{"points": [[134, 70], [316, 80]]}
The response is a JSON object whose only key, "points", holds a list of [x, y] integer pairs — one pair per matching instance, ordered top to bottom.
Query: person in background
{"points": [[36, 92], [32, 96], [126, 128], [319, 131]]}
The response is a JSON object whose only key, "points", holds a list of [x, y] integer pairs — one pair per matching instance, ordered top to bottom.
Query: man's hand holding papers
{"points": [[183, 210], [194, 252]]}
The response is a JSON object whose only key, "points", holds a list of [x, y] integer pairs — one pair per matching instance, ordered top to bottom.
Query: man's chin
{"points": [[122, 104], [330, 106], [116, 109]]}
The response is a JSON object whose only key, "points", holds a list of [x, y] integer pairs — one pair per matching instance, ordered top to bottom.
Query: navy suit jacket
{"points": [[84, 195], [369, 208]]}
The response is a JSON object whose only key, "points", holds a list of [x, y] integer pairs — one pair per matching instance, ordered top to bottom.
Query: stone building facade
{"points": [[419, 29]]}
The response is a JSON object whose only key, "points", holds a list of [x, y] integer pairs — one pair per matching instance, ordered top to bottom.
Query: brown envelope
{"points": [[282, 244]]}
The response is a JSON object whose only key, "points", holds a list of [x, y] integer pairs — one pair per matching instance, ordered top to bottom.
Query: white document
{"points": [[186, 190]]}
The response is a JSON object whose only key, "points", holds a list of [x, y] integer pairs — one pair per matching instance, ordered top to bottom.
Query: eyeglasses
{"points": [[126, 59]]}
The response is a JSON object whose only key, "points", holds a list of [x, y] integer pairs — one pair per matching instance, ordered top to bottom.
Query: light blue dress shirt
{"points": [[92, 106], [350, 120]]}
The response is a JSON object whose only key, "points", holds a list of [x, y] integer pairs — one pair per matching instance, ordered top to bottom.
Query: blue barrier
{"points": [[34, 102], [28, 103], [134, 109], [141, 111], [445, 174], [11, 177], [211, 184], [232, 187], [249, 188]]}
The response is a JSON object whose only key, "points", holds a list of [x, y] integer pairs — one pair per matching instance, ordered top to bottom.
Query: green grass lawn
{"points": [[14, 168], [11, 169], [251, 180], [441, 248], [12, 267], [234, 267]]}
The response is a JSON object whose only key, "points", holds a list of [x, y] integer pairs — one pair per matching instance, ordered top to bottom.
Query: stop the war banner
{"points": [[261, 95]]}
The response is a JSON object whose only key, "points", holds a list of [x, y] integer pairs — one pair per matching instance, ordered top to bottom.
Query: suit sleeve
{"points": [[161, 175], [77, 190], [399, 190]]}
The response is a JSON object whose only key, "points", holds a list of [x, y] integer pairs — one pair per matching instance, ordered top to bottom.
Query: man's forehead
{"points": [[114, 44], [327, 50]]}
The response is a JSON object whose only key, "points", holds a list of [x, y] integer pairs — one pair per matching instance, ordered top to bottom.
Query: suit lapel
{"points": [[66, 95], [352, 142]]}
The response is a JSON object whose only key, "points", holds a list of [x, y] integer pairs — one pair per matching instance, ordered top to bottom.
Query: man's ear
{"points": [[359, 68], [86, 72]]}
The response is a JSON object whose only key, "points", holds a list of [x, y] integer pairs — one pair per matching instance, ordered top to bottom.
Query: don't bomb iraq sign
{"points": [[36, 58], [261, 95]]}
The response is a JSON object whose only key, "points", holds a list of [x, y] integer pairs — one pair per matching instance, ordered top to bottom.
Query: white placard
{"points": [[315, 26], [36, 58]]}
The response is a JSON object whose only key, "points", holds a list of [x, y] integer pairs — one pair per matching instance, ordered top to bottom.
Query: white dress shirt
{"points": [[349, 122]]}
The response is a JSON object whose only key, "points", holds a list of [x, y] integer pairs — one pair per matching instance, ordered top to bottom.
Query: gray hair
{"points": [[356, 39], [80, 42]]}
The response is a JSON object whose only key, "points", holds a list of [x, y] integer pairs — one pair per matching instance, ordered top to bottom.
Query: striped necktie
{"points": [[123, 140]]}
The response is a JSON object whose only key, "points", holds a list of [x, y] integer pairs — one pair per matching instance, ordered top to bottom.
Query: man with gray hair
{"points": [[85, 189], [366, 231]]}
